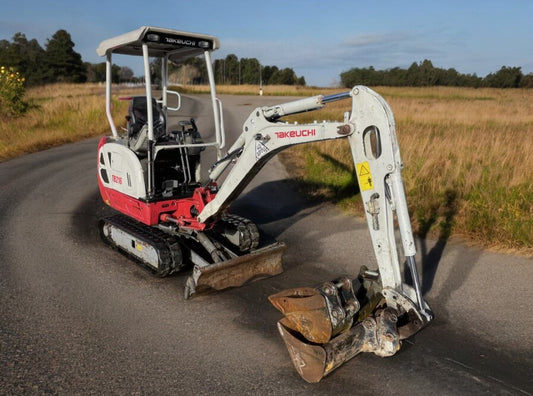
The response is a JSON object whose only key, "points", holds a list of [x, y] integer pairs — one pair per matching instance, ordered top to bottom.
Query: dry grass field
{"points": [[60, 113], [468, 153], [468, 156]]}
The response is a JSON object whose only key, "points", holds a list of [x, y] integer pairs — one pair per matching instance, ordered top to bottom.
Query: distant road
{"points": [[78, 317]]}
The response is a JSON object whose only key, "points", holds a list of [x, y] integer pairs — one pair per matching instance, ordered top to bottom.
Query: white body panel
{"points": [[123, 169]]}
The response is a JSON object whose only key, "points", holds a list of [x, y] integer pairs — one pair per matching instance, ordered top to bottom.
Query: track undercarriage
{"points": [[228, 255]]}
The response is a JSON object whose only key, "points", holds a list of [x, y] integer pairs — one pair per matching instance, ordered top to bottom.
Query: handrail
{"points": [[168, 91], [108, 95], [216, 104], [150, 121], [222, 138], [160, 147]]}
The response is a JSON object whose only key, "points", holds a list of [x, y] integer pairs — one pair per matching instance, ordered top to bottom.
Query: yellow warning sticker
{"points": [[365, 176], [139, 247]]}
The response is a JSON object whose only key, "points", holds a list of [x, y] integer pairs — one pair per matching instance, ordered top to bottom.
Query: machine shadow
{"points": [[324, 190], [341, 191], [281, 199], [269, 202], [442, 216], [84, 224]]}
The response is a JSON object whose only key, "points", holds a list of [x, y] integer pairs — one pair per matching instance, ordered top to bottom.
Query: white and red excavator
{"points": [[168, 219]]}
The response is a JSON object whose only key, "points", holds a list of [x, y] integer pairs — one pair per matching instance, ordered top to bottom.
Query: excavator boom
{"points": [[325, 326]]}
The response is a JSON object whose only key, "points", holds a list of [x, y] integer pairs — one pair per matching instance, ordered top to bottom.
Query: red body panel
{"points": [[182, 211]]}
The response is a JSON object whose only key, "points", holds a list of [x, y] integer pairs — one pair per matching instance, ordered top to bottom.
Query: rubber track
{"points": [[247, 227], [164, 243]]}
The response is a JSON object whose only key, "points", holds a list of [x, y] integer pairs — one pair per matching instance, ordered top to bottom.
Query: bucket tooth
{"points": [[259, 264]]}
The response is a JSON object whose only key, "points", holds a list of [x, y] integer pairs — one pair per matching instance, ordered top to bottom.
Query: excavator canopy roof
{"points": [[177, 44]]}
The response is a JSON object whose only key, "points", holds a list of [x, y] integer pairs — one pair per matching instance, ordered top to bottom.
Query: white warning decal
{"points": [[260, 149]]}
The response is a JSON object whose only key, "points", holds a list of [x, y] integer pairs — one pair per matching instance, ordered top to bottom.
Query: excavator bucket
{"points": [[259, 264], [305, 311], [319, 313], [324, 327], [314, 361]]}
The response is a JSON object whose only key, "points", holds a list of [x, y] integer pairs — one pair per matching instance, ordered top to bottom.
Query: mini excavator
{"points": [[168, 219]]}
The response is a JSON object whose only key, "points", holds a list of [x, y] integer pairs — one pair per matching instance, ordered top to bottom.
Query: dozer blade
{"points": [[259, 264]]}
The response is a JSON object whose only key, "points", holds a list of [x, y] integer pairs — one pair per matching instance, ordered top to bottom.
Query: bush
{"points": [[12, 92]]}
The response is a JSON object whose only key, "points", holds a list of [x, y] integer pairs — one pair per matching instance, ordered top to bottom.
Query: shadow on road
{"points": [[270, 201], [442, 216], [85, 218], [431, 259]]}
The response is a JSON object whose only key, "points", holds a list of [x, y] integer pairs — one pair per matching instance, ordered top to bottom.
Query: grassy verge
{"points": [[59, 114], [468, 158]]}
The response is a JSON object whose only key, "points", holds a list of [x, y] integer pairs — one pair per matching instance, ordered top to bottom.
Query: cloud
{"points": [[375, 39], [322, 60]]}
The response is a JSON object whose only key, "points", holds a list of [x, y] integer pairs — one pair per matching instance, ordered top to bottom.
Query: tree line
{"points": [[56, 62], [59, 62], [231, 71], [424, 74]]}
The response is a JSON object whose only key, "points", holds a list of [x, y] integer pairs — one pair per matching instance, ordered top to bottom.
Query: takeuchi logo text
{"points": [[187, 42], [296, 133]]}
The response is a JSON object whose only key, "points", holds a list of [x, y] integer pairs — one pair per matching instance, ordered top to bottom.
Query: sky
{"points": [[317, 39]]}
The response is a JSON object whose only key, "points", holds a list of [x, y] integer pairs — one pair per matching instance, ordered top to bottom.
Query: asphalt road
{"points": [[79, 318]]}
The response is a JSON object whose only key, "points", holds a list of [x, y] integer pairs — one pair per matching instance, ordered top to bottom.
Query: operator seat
{"points": [[138, 123]]}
